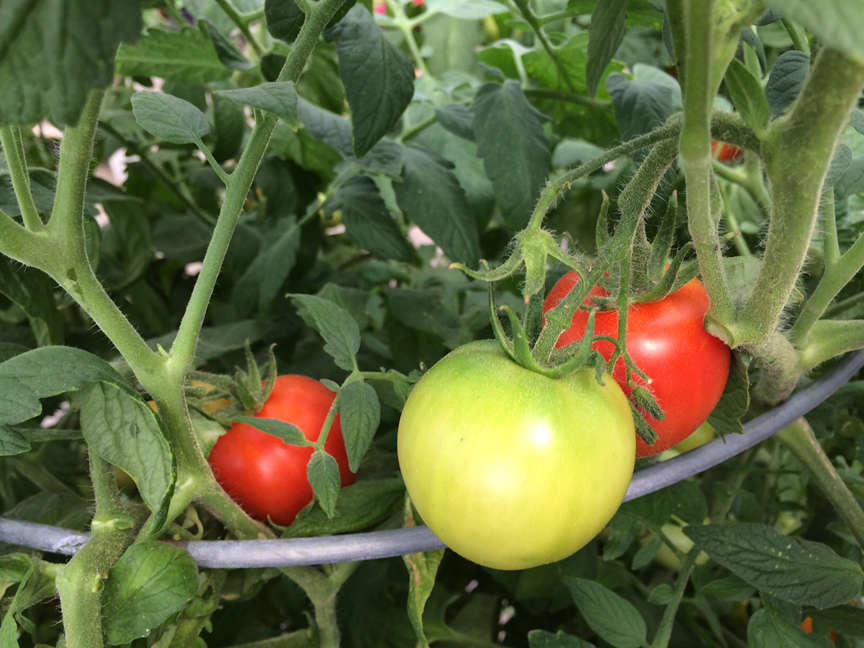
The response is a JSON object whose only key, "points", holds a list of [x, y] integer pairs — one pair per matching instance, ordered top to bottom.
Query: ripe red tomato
{"points": [[727, 152], [667, 340], [509, 468], [267, 476]]}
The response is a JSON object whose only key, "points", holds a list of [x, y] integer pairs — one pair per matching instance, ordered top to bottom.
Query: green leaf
{"points": [[466, 9], [284, 19], [838, 22], [604, 37], [53, 53], [186, 55], [229, 55], [378, 78], [786, 80], [748, 96], [278, 97], [640, 105], [169, 118], [457, 119], [856, 120], [229, 125], [840, 163], [517, 164], [851, 181], [42, 184], [430, 195], [367, 220], [260, 284], [33, 292], [339, 330], [43, 372], [734, 402], [360, 413], [124, 431], [289, 433], [12, 442], [323, 474], [359, 506], [422, 568], [790, 568], [151, 582], [728, 588], [612, 617], [844, 619], [769, 629], [544, 639]]}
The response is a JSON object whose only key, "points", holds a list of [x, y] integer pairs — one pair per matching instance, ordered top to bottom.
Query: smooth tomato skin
{"points": [[727, 152], [667, 340], [509, 468], [265, 475]]}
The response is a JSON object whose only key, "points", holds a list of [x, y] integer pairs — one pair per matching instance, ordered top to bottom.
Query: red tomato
{"points": [[727, 152], [667, 340], [267, 476]]}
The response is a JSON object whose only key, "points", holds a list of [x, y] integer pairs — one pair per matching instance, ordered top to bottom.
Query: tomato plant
{"points": [[725, 152], [666, 339], [509, 468], [266, 475]]}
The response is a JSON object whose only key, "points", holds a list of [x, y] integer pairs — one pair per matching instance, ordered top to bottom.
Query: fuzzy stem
{"points": [[10, 140], [798, 150], [829, 339], [799, 438]]}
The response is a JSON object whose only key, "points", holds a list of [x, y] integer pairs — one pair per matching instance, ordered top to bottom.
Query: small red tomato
{"points": [[727, 152], [667, 340], [267, 476]]}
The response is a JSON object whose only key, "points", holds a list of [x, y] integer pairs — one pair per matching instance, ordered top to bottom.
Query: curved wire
{"points": [[236, 554]]}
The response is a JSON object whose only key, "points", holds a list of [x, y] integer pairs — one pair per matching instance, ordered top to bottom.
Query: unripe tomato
{"points": [[667, 340], [509, 468], [267, 476]]}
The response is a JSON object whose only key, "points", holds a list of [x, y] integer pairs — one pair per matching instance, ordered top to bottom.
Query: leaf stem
{"points": [[242, 25], [406, 26], [536, 27], [10, 140], [224, 176], [829, 339], [799, 438], [667, 622]]}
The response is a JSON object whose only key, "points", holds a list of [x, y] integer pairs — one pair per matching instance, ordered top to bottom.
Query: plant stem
{"points": [[531, 19], [242, 25], [406, 26], [799, 38], [10, 139], [798, 151], [697, 162], [223, 175], [747, 179], [830, 240], [842, 306], [829, 339], [183, 349], [799, 438], [322, 590], [664, 631]]}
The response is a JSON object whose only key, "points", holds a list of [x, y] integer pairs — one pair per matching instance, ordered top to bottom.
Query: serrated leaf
{"points": [[284, 19], [838, 22], [605, 35], [53, 53], [229, 55], [187, 56], [378, 78], [786, 80], [748, 96], [278, 97], [640, 105], [169, 118], [457, 119], [519, 163], [430, 195], [367, 220], [260, 284], [339, 330], [734, 402], [360, 413], [125, 432], [289, 433], [323, 473], [359, 506], [790, 568], [151, 582], [608, 614], [769, 629], [544, 639]]}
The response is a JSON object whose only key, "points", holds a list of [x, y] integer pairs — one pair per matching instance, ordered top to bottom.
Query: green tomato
{"points": [[509, 468]]}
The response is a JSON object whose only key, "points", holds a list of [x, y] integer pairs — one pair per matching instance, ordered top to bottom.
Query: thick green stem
{"points": [[10, 139], [798, 151], [829, 339], [183, 349], [780, 365], [799, 438], [322, 589]]}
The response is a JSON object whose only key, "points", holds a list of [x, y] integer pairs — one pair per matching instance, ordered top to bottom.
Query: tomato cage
{"points": [[233, 554]]}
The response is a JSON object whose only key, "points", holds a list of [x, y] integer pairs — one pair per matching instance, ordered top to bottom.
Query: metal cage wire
{"points": [[234, 554]]}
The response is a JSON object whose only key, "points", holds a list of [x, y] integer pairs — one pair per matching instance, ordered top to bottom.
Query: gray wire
{"points": [[234, 554]]}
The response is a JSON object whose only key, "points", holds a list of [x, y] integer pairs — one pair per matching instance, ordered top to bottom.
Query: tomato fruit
{"points": [[726, 152], [667, 340], [509, 468], [267, 476]]}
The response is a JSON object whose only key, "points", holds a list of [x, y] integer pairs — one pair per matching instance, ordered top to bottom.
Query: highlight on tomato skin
{"points": [[667, 340], [267, 476]]}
